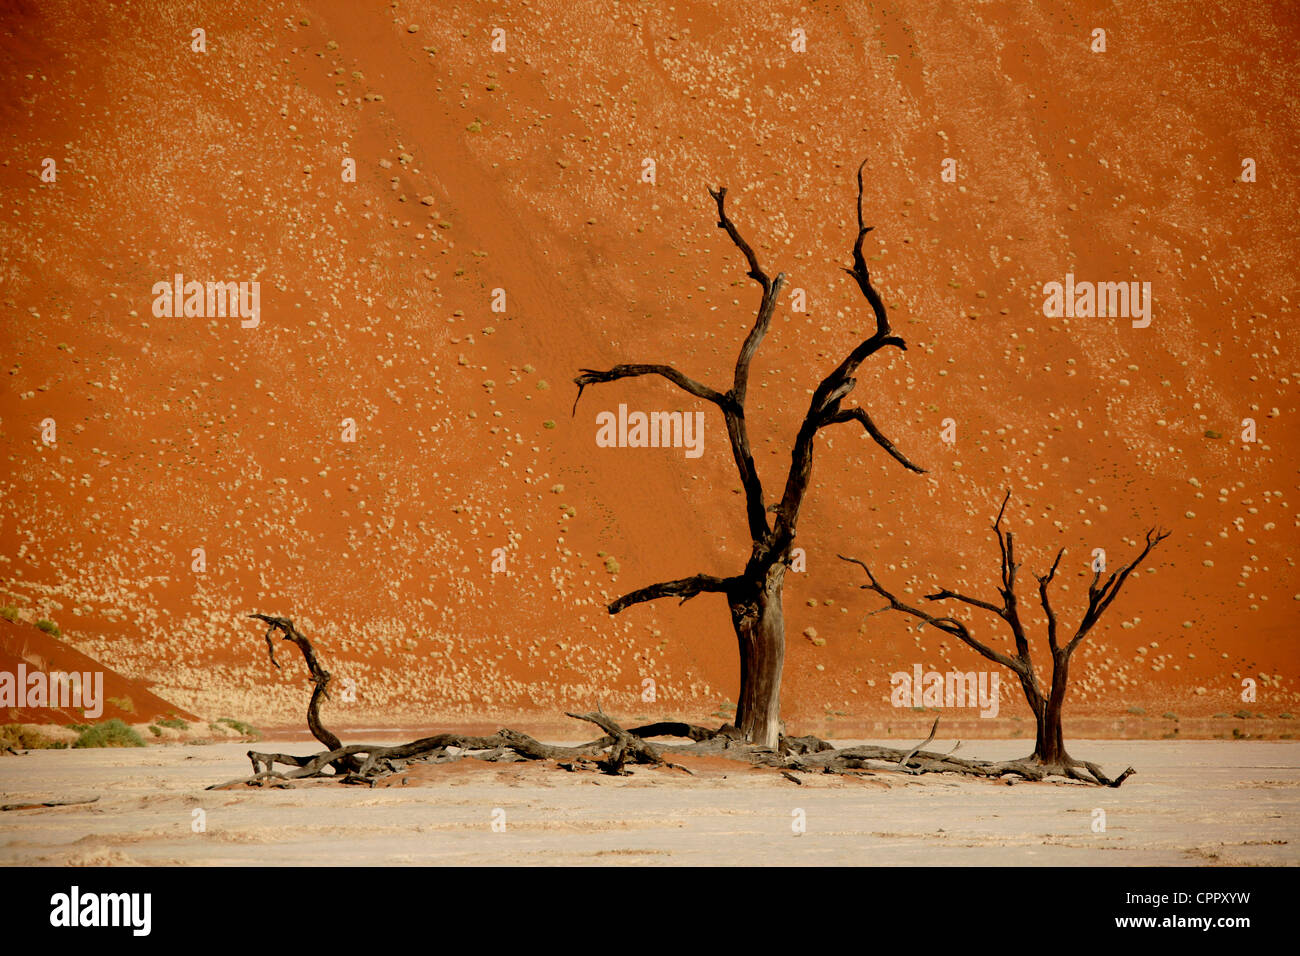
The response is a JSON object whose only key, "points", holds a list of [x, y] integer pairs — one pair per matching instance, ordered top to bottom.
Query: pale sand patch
{"points": [[1191, 802]]}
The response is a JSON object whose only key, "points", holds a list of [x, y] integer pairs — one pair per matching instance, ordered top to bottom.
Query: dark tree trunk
{"points": [[759, 618], [1049, 747]]}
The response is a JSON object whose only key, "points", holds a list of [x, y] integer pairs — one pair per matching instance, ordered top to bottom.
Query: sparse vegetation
{"points": [[9, 613], [49, 627], [123, 703], [172, 723], [239, 726], [110, 733], [19, 737]]}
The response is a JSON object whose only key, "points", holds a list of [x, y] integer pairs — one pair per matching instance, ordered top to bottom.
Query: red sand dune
{"points": [[520, 170], [22, 645]]}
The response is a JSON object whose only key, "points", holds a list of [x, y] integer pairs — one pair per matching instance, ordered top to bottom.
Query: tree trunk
{"points": [[759, 620], [1049, 747]]}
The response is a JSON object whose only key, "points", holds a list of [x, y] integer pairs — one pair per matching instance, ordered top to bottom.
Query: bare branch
{"points": [[724, 222], [860, 272], [594, 377], [733, 402], [824, 407], [859, 414], [737, 429], [1043, 581], [684, 588], [943, 594], [1100, 598], [1011, 610], [948, 625], [320, 678]]}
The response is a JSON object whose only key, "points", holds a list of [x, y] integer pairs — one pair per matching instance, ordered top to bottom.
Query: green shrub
{"points": [[9, 613], [49, 627], [123, 703], [172, 723], [155, 730], [111, 733]]}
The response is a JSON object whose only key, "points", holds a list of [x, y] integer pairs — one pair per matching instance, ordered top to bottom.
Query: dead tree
{"points": [[755, 594], [1049, 745]]}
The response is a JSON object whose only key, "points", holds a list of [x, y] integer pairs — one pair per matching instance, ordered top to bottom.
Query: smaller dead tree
{"points": [[1049, 745]]}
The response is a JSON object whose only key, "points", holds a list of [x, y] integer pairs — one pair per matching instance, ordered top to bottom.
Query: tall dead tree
{"points": [[755, 594], [1049, 745]]}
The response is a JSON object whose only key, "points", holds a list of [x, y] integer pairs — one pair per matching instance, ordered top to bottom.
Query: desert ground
{"points": [[1190, 803]]}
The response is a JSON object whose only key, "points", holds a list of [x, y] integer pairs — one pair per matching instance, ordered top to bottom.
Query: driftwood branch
{"points": [[320, 677]]}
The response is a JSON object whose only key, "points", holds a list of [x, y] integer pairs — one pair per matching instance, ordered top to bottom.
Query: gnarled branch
{"points": [[592, 377], [824, 408], [859, 414], [1043, 581], [684, 588], [1100, 598], [948, 625], [320, 679]]}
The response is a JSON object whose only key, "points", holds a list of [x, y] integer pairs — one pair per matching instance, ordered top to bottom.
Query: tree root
{"points": [[619, 748], [366, 764]]}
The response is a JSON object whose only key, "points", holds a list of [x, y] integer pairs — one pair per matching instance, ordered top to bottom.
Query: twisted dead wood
{"points": [[1049, 747], [612, 753]]}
